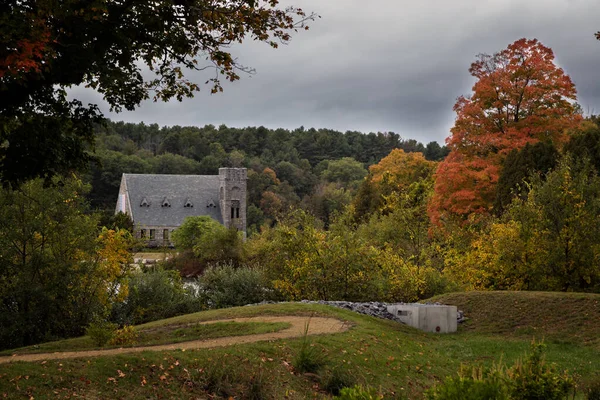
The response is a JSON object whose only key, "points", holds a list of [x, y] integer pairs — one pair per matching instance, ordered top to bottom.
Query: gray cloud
{"points": [[385, 65]]}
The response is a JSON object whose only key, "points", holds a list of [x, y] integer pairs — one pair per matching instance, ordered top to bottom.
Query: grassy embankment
{"points": [[151, 334], [400, 361]]}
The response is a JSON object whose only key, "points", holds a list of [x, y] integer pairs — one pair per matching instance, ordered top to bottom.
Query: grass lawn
{"points": [[155, 334], [399, 361]]}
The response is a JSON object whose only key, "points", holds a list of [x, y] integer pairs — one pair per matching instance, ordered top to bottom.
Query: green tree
{"points": [[48, 46], [585, 142], [434, 152], [538, 158], [173, 164], [346, 171], [327, 201], [403, 224], [193, 230], [549, 240], [209, 241], [57, 271]]}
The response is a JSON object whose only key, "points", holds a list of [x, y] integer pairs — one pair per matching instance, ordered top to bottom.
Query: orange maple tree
{"points": [[521, 96]]}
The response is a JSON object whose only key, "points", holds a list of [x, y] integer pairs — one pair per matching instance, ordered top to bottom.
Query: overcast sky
{"points": [[385, 65]]}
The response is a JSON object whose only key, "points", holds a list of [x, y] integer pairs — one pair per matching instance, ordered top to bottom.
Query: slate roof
{"points": [[175, 190]]}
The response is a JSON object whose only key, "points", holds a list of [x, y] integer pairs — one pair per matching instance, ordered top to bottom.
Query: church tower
{"points": [[232, 197]]}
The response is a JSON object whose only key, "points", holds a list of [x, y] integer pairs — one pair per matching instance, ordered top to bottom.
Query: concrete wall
{"points": [[426, 317]]}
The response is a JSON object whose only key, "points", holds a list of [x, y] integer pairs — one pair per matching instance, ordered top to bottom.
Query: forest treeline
{"points": [[317, 169]]}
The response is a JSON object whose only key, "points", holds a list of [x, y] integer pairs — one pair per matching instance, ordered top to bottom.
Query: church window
{"points": [[145, 203], [165, 203], [210, 203], [235, 209], [142, 233], [152, 234], [165, 235]]}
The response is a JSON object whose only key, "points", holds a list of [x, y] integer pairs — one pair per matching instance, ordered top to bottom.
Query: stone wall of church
{"points": [[232, 197], [155, 236]]}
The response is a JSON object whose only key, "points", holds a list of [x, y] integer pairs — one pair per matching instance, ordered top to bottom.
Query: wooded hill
{"points": [[287, 167]]}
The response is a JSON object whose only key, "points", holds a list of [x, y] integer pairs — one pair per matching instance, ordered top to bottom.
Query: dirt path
{"points": [[317, 325]]}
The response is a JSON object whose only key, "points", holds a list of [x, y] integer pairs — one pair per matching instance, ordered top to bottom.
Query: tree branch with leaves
{"points": [[47, 46]]}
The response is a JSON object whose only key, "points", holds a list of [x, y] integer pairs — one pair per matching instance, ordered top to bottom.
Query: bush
{"points": [[186, 263], [226, 286], [154, 294], [101, 332], [124, 336], [338, 379], [528, 379], [533, 379], [476, 386], [358, 393]]}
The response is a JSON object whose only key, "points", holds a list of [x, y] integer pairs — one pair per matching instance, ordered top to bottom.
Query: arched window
{"points": [[235, 209]]}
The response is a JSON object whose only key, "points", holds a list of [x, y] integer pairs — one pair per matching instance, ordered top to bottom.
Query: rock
{"points": [[373, 308]]}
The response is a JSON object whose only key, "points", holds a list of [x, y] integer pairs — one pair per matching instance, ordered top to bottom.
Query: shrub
{"points": [[186, 263], [226, 286], [154, 294], [101, 332], [124, 336], [338, 379], [529, 379], [533, 379], [474, 386], [358, 393]]}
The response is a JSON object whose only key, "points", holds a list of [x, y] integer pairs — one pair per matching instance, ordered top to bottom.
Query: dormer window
{"points": [[145, 203], [165, 203], [188, 204], [210, 204]]}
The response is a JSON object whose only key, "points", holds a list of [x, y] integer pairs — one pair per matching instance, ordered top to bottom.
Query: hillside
{"points": [[555, 317], [397, 360]]}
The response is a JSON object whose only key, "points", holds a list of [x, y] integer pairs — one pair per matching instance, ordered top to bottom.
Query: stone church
{"points": [[158, 204]]}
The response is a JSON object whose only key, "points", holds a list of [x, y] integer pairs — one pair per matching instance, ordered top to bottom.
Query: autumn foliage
{"points": [[521, 96], [393, 173]]}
